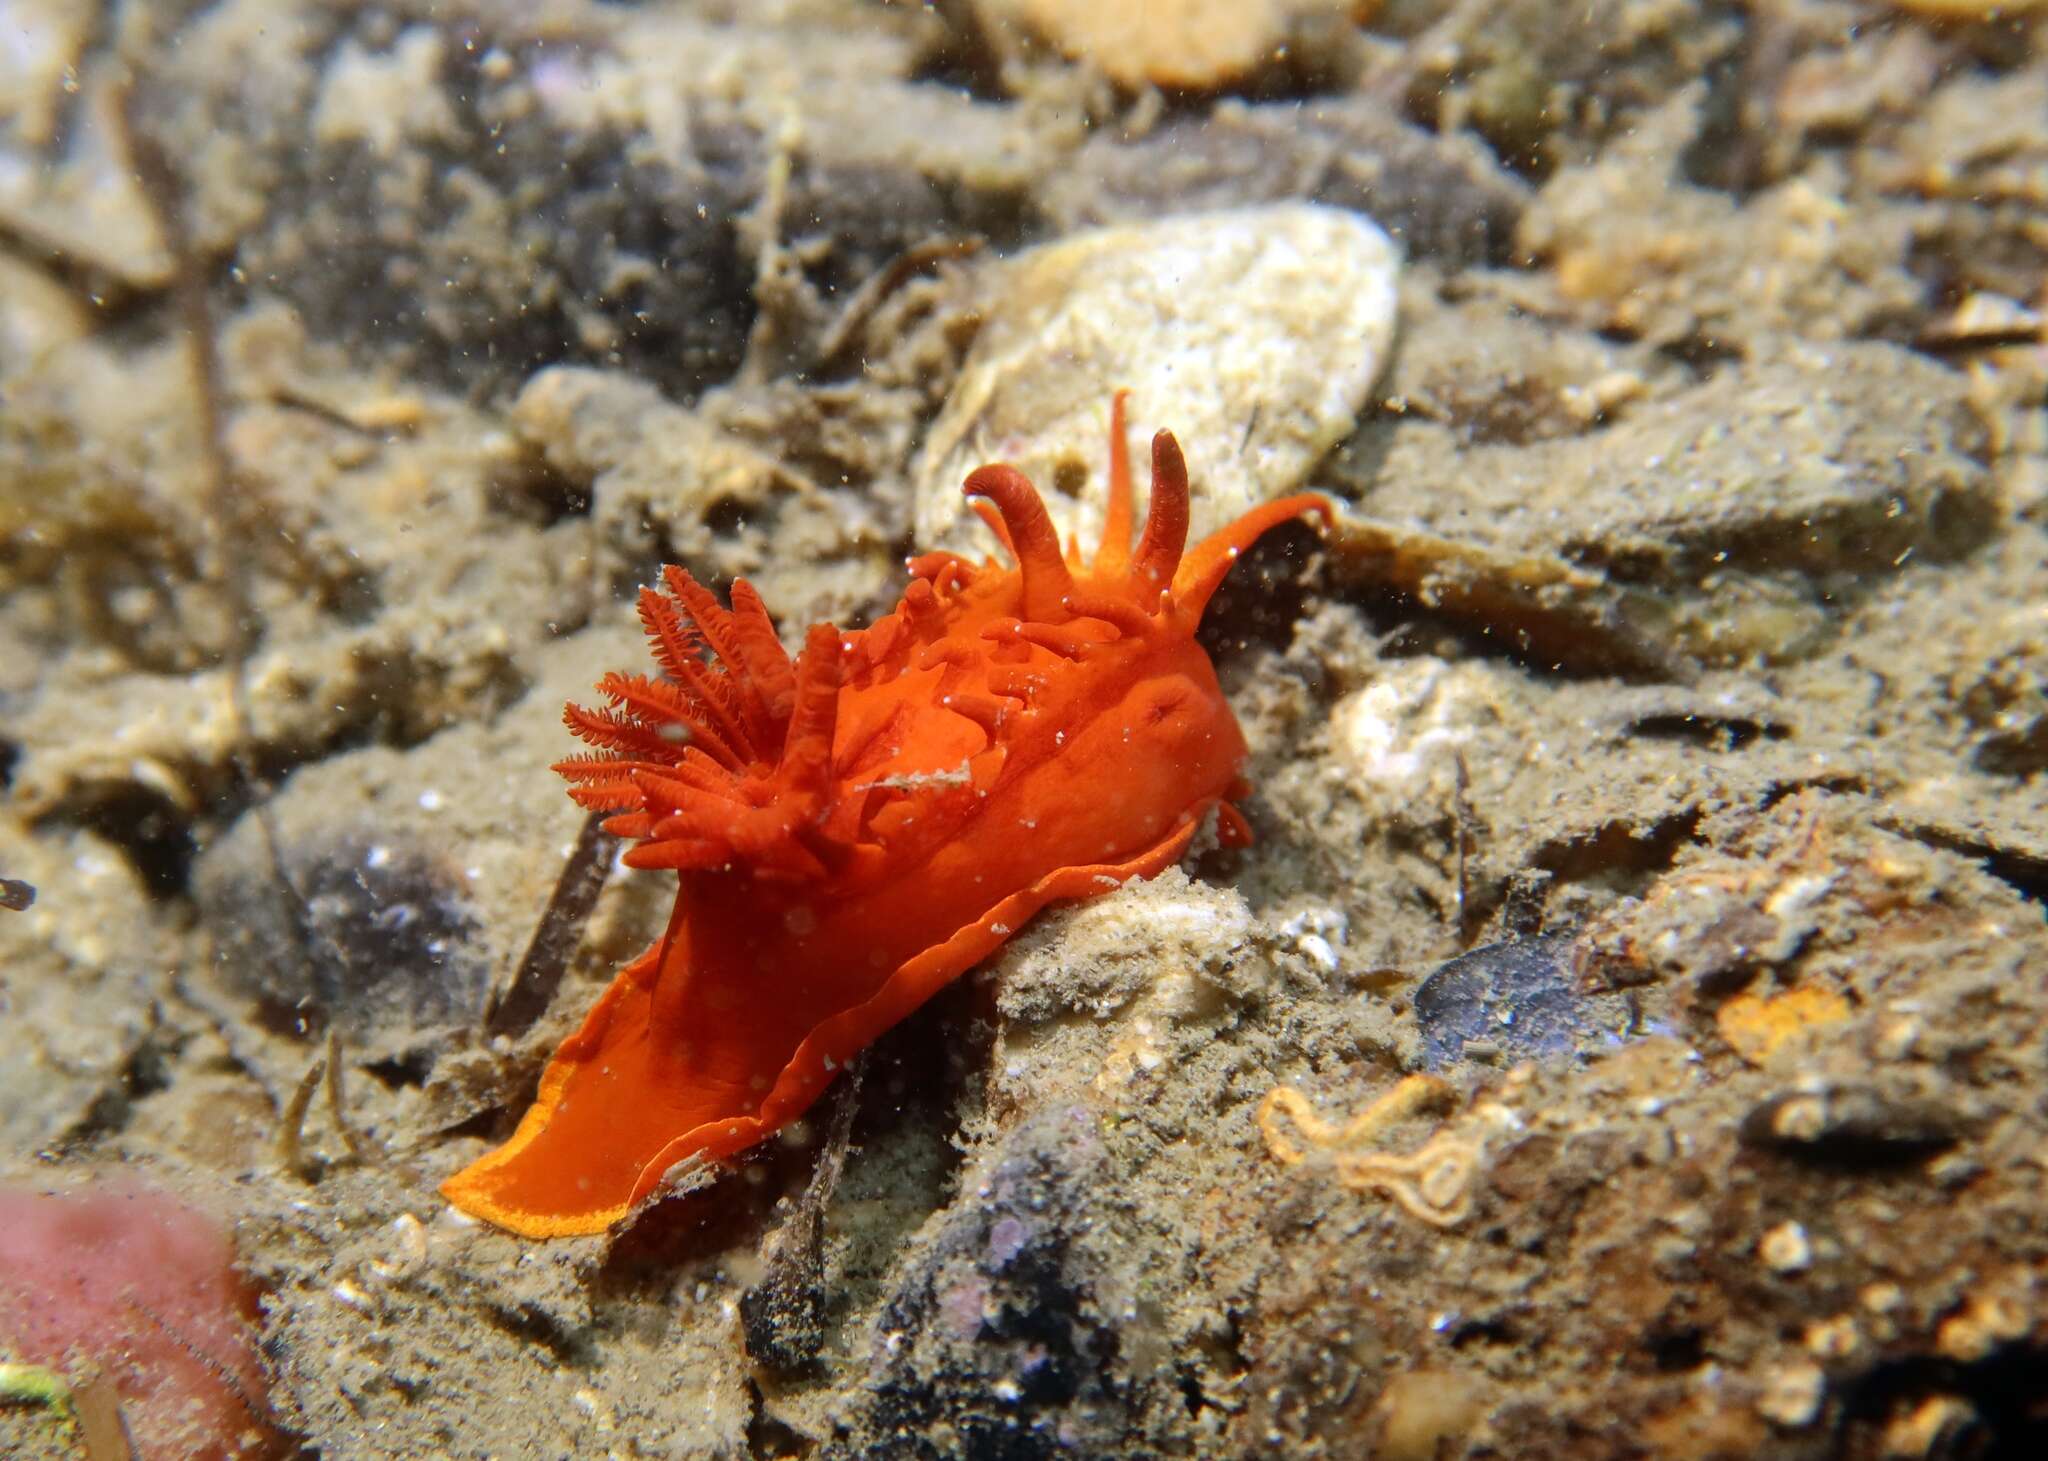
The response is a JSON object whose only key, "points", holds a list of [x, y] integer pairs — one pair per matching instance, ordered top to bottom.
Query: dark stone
{"points": [[153, 832], [368, 936], [1520, 999], [1853, 1127], [994, 1346]]}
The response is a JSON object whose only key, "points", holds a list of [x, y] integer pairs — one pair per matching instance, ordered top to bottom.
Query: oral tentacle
{"points": [[1166, 524], [1033, 538], [1113, 558]]}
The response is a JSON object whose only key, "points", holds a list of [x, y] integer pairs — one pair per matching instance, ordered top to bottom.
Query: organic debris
{"points": [[1433, 1183]]}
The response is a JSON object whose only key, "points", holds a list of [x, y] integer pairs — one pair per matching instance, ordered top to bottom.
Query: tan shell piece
{"points": [[1194, 44], [1253, 334]]}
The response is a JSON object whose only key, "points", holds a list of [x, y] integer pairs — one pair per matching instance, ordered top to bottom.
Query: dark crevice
{"points": [[958, 59], [1728, 154], [117, 306], [1962, 349], [1702, 355], [531, 490], [727, 517], [1265, 596], [1426, 597], [1592, 646], [1708, 732], [2019, 753], [1840, 784], [152, 832], [1618, 848], [2025, 873], [410, 1069], [146, 1071], [493, 1123], [1850, 1128], [728, 1211], [1495, 1332], [570, 1347], [1677, 1351], [2001, 1418], [769, 1439]]}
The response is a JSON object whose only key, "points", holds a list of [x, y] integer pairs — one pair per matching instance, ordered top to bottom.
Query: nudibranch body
{"points": [[855, 829]]}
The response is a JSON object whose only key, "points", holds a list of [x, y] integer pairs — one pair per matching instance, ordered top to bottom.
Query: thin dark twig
{"points": [[92, 40], [1390, 85], [164, 190], [917, 259], [559, 931], [337, 1101], [291, 1122], [838, 1136], [783, 1315]]}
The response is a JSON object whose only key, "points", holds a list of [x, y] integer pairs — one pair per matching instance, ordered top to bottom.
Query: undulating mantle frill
{"points": [[855, 829]]}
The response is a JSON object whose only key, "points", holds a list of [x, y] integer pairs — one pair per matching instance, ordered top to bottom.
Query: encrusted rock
{"points": [[1440, 196], [669, 485], [1735, 508], [61, 950]]}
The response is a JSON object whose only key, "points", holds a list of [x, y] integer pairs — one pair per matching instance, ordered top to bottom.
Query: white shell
{"points": [[1252, 334]]}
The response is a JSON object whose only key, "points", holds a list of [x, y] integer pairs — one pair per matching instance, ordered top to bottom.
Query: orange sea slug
{"points": [[856, 829]]}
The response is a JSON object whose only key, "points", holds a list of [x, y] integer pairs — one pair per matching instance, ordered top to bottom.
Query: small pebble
{"points": [[1518, 1001], [1785, 1249], [1987, 1320], [1836, 1339], [1792, 1395], [1932, 1424]]}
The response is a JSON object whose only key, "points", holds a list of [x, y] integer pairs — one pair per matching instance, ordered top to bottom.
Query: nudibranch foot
{"points": [[580, 1138]]}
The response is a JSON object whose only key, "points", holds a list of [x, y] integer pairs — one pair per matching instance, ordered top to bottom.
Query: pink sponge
{"points": [[121, 1277]]}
